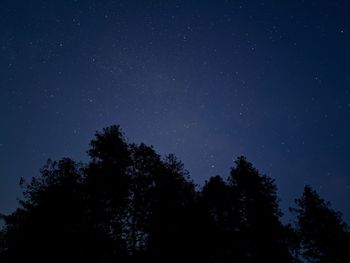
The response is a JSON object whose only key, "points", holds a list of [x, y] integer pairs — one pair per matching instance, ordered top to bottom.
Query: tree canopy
{"points": [[128, 202]]}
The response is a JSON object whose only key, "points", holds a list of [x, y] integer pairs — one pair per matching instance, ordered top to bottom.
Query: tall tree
{"points": [[145, 167], [107, 184], [159, 204], [221, 220], [50, 223], [172, 228], [261, 232], [323, 234]]}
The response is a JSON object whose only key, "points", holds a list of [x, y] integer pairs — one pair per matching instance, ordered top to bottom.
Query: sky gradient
{"points": [[206, 80]]}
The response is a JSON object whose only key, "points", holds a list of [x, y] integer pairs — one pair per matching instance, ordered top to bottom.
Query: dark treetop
{"points": [[129, 203]]}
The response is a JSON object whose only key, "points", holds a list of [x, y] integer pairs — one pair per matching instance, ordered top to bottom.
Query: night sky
{"points": [[206, 80]]}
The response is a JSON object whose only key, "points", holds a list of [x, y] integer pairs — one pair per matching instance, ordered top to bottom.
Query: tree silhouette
{"points": [[146, 166], [107, 184], [160, 194], [127, 202], [221, 219], [50, 222], [260, 230], [323, 235]]}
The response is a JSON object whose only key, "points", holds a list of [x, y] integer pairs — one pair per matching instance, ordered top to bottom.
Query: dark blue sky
{"points": [[206, 80]]}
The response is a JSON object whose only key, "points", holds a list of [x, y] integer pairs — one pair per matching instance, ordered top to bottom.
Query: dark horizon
{"points": [[205, 80], [128, 202], [287, 216]]}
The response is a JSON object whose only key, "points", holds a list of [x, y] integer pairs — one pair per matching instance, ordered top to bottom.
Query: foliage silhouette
{"points": [[128, 202], [50, 224], [261, 232], [324, 237]]}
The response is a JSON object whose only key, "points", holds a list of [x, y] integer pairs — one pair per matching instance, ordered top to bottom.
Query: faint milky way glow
{"points": [[206, 80]]}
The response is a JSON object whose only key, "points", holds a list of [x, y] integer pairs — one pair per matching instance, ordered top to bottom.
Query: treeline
{"points": [[129, 203]]}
